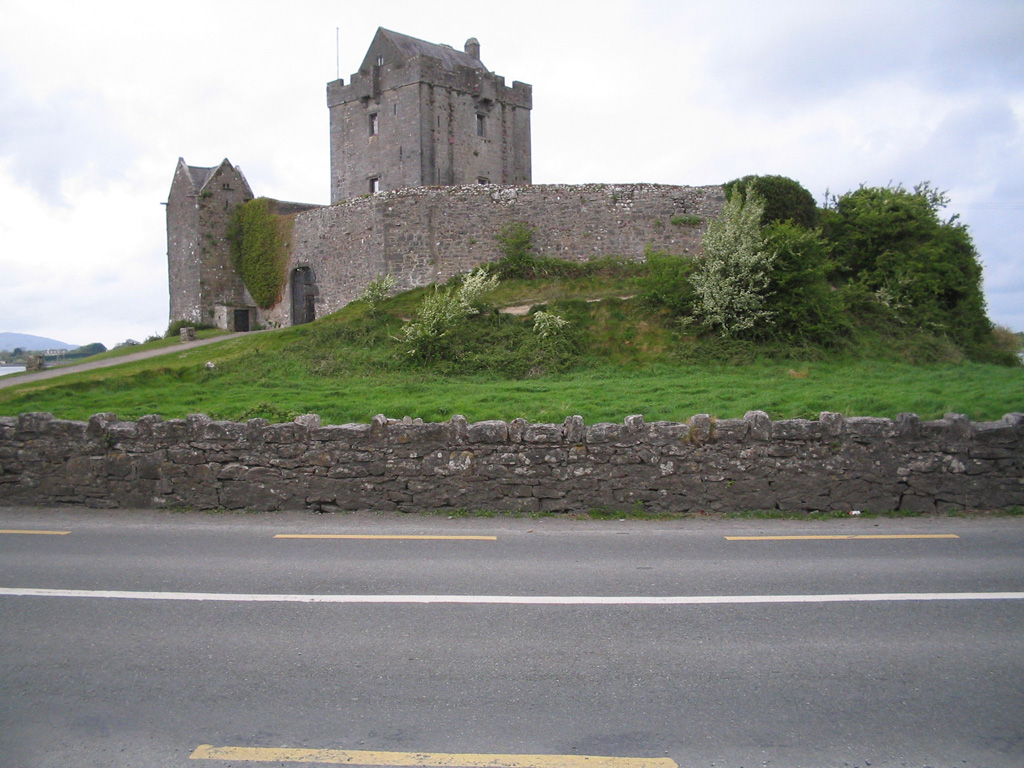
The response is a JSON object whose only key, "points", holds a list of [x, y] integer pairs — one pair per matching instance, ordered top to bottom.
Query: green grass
{"points": [[623, 360], [240, 383]]}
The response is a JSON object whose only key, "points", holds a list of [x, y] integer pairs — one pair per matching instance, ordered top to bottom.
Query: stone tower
{"points": [[422, 114], [204, 286]]}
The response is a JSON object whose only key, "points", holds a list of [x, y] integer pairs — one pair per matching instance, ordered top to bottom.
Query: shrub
{"points": [[784, 199], [515, 240], [892, 243], [731, 278], [667, 284], [377, 291], [803, 306], [441, 312], [548, 324], [174, 329]]}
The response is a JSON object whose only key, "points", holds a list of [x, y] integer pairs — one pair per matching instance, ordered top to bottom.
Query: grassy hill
{"points": [[618, 356]]}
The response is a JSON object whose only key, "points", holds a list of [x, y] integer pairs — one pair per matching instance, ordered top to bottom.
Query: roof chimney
{"points": [[473, 48]]}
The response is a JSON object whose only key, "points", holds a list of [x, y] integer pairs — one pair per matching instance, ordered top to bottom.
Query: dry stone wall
{"points": [[832, 463]]}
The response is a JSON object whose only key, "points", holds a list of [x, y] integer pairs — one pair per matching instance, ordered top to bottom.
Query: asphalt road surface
{"points": [[12, 380], [214, 640]]}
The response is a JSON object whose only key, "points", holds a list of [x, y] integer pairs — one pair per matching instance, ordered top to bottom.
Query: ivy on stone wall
{"points": [[259, 251]]}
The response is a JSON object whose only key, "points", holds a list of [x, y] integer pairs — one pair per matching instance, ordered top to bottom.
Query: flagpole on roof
{"points": [[337, 52]]}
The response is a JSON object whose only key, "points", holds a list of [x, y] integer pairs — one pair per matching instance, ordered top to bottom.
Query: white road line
{"points": [[513, 599]]}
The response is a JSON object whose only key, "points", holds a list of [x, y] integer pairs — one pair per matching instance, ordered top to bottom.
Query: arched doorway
{"points": [[303, 296]]}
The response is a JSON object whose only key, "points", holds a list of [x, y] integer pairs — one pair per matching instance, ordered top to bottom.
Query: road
{"points": [[90, 365], [171, 639]]}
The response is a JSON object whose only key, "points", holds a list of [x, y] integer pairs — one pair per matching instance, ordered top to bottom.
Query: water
{"points": [[5, 369]]}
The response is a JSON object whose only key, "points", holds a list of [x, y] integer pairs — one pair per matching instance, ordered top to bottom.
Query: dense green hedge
{"points": [[259, 251]]}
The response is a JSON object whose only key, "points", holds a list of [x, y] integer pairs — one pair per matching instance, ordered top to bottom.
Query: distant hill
{"points": [[11, 341]]}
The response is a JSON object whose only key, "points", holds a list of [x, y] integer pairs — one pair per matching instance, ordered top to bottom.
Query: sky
{"points": [[98, 101]]}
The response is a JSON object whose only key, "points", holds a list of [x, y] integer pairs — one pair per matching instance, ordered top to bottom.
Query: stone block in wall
{"points": [[34, 423], [197, 424], [833, 424], [759, 425], [959, 425], [908, 426], [702, 427], [862, 428], [797, 429], [574, 430], [731, 430], [67, 432], [171, 432], [223, 432], [487, 432], [603, 432], [1004, 432], [661, 433], [347, 434], [544, 434], [83, 470]]}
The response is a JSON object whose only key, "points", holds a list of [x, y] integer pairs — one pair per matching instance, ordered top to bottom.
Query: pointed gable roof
{"points": [[397, 48], [199, 176], [191, 180]]}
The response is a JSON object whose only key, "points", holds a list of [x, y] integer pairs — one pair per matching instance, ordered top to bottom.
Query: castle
{"points": [[430, 157]]}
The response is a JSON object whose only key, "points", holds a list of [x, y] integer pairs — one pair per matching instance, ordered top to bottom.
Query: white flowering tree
{"points": [[731, 278], [441, 312]]}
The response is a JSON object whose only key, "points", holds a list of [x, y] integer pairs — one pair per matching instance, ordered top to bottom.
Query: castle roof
{"points": [[398, 48], [199, 176]]}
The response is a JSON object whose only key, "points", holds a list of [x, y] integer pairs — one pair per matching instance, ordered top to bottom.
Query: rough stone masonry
{"points": [[753, 463]]}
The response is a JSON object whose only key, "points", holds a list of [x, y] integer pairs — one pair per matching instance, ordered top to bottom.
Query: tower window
{"points": [[380, 61], [374, 124], [481, 125], [374, 185]]}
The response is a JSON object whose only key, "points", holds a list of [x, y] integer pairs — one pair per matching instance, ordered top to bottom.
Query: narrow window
{"points": [[380, 61], [481, 123], [373, 124], [374, 185]]}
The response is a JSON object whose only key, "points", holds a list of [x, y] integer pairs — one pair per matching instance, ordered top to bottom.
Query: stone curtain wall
{"points": [[425, 235], [833, 463]]}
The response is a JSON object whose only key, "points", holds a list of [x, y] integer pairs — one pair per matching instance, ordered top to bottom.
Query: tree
{"points": [[784, 199], [892, 243], [731, 278], [804, 307]]}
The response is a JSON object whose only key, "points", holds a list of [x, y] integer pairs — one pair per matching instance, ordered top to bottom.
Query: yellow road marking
{"points": [[41, 533], [381, 536], [847, 536], [423, 759]]}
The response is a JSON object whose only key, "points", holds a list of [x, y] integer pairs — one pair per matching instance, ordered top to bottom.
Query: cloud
{"points": [[792, 55], [48, 143]]}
